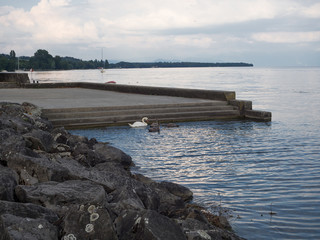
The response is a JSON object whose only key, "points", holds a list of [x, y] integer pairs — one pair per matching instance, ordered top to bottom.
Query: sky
{"points": [[262, 32]]}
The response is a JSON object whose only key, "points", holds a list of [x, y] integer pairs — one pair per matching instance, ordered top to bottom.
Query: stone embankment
{"points": [[55, 185]]}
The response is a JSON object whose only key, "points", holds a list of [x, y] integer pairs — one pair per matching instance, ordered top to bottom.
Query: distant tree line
{"points": [[42, 60], [175, 64]]}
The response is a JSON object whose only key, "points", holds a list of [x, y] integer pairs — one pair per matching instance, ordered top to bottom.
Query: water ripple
{"points": [[241, 165]]}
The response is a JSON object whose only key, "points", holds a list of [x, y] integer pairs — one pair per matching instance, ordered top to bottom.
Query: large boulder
{"points": [[39, 140], [10, 143], [111, 153], [40, 168], [8, 179], [178, 190], [60, 196], [172, 201], [28, 210], [88, 222], [147, 224], [14, 227]]}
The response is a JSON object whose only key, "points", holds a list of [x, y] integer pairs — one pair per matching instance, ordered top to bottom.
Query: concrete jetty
{"points": [[81, 105]]}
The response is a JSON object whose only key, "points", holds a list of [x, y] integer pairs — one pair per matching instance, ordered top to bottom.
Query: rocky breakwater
{"points": [[54, 185]]}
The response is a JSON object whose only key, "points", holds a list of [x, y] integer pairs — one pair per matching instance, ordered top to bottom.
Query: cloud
{"points": [[312, 11], [146, 29], [287, 37]]}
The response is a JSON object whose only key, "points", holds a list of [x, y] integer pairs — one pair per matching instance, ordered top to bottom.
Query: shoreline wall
{"points": [[11, 77], [175, 92]]}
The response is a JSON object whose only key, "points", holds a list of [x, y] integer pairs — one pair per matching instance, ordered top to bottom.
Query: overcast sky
{"points": [[262, 32]]}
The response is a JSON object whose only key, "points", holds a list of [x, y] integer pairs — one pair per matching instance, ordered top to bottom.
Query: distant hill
{"points": [[175, 64]]}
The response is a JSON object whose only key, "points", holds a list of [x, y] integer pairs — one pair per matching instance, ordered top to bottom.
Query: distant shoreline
{"points": [[175, 64]]}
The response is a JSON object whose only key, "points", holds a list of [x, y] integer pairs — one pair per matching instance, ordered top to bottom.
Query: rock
{"points": [[12, 109], [31, 109], [13, 116], [60, 135], [40, 140], [73, 140], [10, 142], [113, 154], [85, 156], [41, 168], [26, 178], [8, 179], [177, 190], [60, 196], [126, 197], [170, 204], [28, 210], [197, 215], [89, 222], [147, 224], [191, 224], [13, 227]]}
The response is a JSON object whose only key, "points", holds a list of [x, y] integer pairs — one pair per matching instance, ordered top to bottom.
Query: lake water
{"points": [[266, 175]]}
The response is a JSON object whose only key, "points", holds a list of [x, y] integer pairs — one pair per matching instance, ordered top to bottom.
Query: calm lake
{"points": [[266, 175]]}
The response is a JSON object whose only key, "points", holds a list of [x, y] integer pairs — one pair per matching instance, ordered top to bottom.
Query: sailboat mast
{"points": [[102, 57], [102, 68]]}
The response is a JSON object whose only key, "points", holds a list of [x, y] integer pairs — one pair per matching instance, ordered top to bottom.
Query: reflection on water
{"points": [[242, 164]]}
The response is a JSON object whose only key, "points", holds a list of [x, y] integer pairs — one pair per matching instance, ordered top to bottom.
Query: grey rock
{"points": [[12, 109], [31, 109], [60, 135], [40, 140], [74, 140], [11, 142], [113, 154], [86, 156], [41, 168], [9, 179], [177, 190], [60, 196], [170, 204], [28, 210], [89, 222], [147, 224], [191, 224], [13, 227]]}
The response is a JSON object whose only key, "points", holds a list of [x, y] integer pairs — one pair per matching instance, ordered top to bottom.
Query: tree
{"points": [[12, 54], [42, 60], [12, 61], [57, 61], [3, 62]]}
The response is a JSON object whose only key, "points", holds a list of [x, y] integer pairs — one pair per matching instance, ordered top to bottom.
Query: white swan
{"points": [[140, 124]]}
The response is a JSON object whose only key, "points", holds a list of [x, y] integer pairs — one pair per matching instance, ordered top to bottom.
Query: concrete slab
{"points": [[51, 98]]}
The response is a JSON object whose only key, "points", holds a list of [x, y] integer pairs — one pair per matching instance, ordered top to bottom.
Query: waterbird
{"points": [[143, 123], [171, 125], [155, 127]]}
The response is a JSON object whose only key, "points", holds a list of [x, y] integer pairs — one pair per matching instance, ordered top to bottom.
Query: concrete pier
{"points": [[79, 105]]}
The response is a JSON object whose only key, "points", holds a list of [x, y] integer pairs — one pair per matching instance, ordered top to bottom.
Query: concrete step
{"points": [[128, 107], [142, 111], [122, 115], [162, 117]]}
